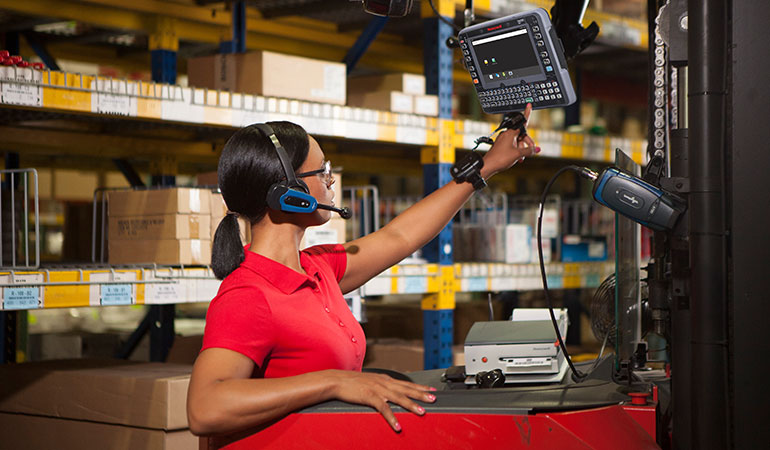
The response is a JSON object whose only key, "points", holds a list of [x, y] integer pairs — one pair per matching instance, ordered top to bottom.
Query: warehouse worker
{"points": [[279, 335]]}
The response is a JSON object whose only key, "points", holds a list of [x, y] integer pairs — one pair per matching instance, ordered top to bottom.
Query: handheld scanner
{"points": [[638, 200]]}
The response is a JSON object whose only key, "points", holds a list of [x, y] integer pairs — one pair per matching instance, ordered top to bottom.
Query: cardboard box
{"points": [[271, 74], [408, 83], [383, 100], [426, 105], [209, 179], [158, 201], [167, 226], [332, 232], [160, 251], [402, 355], [149, 395], [45, 433]]}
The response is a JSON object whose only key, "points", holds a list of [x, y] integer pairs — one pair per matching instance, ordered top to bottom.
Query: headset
{"points": [[292, 194]]}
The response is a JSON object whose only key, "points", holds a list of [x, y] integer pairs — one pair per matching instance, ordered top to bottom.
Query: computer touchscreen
{"points": [[515, 60]]}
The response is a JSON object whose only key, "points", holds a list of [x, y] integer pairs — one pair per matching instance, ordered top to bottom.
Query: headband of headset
{"points": [[291, 179]]}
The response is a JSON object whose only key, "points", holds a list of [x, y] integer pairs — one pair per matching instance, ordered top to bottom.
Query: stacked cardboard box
{"points": [[270, 74], [396, 92], [163, 226], [78, 404]]}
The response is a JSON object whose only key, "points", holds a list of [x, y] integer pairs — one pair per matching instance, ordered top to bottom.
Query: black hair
{"points": [[248, 166]]}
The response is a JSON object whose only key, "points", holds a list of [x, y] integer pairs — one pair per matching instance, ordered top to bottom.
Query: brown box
{"points": [[270, 74], [408, 83], [383, 100], [426, 105], [158, 201], [167, 226], [161, 251], [402, 355], [149, 395], [45, 433]]}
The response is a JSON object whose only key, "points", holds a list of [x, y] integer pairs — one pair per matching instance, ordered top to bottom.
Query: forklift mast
{"points": [[708, 284]]}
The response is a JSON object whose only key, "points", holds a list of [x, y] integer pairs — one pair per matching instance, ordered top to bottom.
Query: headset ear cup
{"points": [[302, 186], [274, 195]]}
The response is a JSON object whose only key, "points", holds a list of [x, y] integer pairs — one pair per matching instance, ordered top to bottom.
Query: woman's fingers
{"points": [[528, 111], [376, 390], [384, 409]]}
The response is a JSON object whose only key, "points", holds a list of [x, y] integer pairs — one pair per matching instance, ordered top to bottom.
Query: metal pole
{"points": [[707, 48], [13, 220], [25, 221]]}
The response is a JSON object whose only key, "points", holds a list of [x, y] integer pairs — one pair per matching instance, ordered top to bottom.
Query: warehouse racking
{"points": [[71, 106]]}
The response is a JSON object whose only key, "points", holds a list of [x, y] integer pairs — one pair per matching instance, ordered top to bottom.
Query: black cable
{"points": [[444, 19], [576, 374]]}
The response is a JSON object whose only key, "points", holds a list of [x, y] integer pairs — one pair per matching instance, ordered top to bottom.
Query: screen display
{"points": [[505, 56]]}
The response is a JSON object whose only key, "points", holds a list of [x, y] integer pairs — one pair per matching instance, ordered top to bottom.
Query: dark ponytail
{"points": [[249, 165], [227, 250]]}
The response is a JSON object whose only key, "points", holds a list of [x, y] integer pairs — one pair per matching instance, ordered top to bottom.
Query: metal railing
{"points": [[365, 209], [15, 227]]}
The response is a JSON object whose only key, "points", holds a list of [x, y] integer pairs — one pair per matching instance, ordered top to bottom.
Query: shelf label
{"points": [[21, 94], [113, 97], [361, 130], [410, 135], [477, 284], [413, 285], [164, 293], [116, 294], [23, 297]]}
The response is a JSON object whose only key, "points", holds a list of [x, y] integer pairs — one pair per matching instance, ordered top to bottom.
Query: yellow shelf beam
{"points": [[297, 36], [42, 141]]}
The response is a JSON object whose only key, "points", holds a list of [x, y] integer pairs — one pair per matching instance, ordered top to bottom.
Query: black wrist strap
{"points": [[469, 170]]}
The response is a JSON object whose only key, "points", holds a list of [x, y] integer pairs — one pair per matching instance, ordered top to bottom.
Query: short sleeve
{"points": [[334, 255], [240, 320]]}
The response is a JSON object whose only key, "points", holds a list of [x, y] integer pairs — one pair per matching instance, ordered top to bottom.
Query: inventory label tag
{"points": [[116, 294]]}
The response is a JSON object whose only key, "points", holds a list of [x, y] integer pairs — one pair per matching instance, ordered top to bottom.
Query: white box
{"points": [[426, 105], [518, 238]]}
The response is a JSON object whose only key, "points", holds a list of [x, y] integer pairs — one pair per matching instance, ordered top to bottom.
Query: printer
{"points": [[524, 348]]}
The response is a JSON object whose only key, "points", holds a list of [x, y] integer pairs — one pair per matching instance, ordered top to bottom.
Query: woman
{"points": [[279, 335]]}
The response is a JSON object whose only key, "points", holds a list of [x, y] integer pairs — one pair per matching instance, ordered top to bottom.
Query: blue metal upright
{"points": [[368, 35], [238, 42], [164, 45], [41, 51], [163, 66], [439, 250], [438, 308], [159, 321], [438, 326]]}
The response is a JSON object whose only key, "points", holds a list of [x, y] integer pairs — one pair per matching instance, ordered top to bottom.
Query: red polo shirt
{"points": [[287, 322]]}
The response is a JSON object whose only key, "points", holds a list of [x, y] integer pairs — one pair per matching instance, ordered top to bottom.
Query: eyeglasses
{"points": [[325, 171]]}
